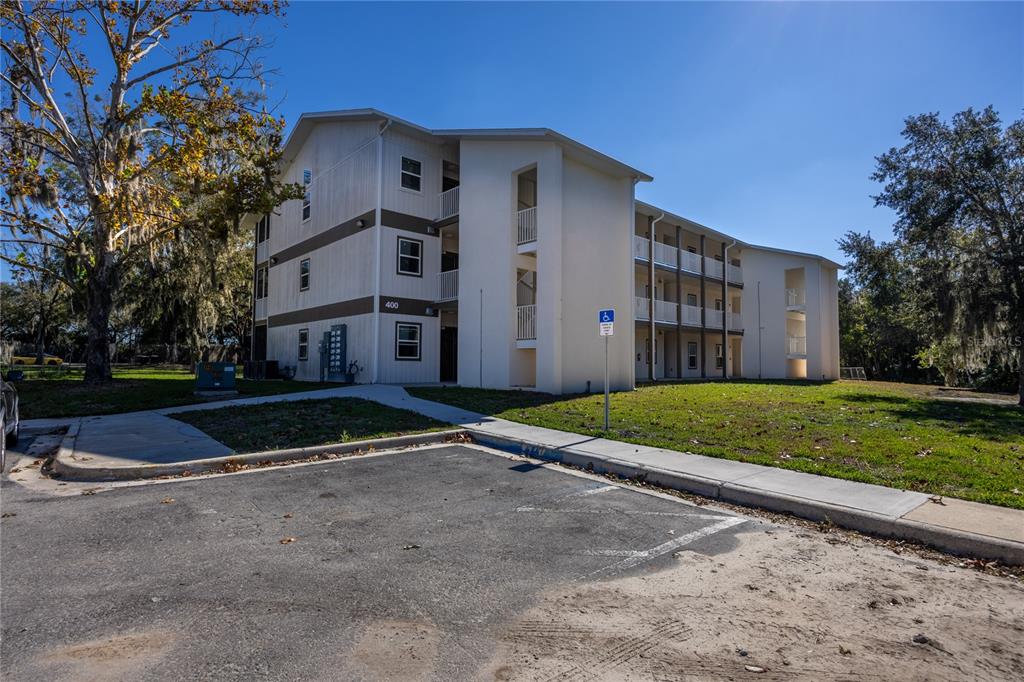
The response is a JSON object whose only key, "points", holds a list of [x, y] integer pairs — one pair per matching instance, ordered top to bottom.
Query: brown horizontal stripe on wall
{"points": [[404, 221], [329, 236], [356, 306], [406, 306]]}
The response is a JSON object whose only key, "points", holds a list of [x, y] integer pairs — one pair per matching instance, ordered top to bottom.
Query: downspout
{"points": [[725, 308], [652, 341], [375, 375]]}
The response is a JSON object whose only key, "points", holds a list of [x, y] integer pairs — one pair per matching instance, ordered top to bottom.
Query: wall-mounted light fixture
{"points": [[360, 223], [273, 260]]}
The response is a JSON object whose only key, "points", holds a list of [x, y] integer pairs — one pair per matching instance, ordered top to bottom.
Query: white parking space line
{"points": [[594, 491], [627, 512], [665, 547]]}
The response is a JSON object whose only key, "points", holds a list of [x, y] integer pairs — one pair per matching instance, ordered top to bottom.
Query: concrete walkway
{"points": [[956, 525]]}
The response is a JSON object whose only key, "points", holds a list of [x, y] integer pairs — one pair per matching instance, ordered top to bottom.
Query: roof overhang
{"points": [[297, 137]]}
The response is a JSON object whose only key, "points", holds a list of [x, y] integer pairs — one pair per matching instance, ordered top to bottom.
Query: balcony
{"points": [[448, 204], [526, 226], [641, 247], [262, 251], [691, 262], [712, 267], [735, 274], [447, 286], [796, 299], [666, 311], [260, 312], [713, 318], [735, 322], [526, 323], [796, 346]]}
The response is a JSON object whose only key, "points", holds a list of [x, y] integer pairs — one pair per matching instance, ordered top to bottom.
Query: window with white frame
{"points": [[412, 174], [307, 181], [263, 229], [410, 257], [304, 274], [261, 282], [691, 299], [718, 304], [407, 340], [303, 344], [691, 355], [719, 357]]}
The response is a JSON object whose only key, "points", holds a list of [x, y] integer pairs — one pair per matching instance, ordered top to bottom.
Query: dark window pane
{"points": [[410, 165], [411, 182], [409, 248], [410, 265]]}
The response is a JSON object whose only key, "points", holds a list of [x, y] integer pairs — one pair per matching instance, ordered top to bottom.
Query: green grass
{"points": [[130, 390], [302, 423], [895, 435]]}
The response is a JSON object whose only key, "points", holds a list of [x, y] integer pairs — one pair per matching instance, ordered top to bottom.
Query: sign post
{"points": [[606, 320]]}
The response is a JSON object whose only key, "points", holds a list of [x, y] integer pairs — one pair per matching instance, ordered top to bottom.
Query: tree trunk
{"points": [[99, 303], [1020, 377]]}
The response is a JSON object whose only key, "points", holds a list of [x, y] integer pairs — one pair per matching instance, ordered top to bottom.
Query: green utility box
{"points": [[215, 376]]}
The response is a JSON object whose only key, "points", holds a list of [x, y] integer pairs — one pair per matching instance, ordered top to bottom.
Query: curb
{"points": [[65, 466], [946, 539]]}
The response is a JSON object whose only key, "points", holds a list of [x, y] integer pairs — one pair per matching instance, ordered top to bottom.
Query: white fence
{"points": [[449, 204], [526, 226], [641, 247], [665, 254], [691, 262], [712, 267], [735, 274], [447, 286], [261, 309], [526, 322]]}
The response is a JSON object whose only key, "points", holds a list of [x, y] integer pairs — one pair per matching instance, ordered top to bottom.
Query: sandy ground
{"points": [[786, 604]]}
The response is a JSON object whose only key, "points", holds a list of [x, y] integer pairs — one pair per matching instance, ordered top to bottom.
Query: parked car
{"points": [[31, 359], [10, 420]]}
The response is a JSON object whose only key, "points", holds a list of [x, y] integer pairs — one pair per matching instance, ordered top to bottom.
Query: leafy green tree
{"points": [[135, 129], [958, 190], [876, 314]]}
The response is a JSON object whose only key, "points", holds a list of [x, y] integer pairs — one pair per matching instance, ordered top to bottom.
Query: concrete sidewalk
{"points": [[955, 525]]}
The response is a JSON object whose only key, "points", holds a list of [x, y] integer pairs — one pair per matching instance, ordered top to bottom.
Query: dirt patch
{"points": [[783, 605], [397, 650], [120, 657]]}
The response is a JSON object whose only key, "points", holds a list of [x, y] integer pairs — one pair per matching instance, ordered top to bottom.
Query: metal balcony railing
{"points": [[448, 204], [526, 226], [447, 286], [796, 298], [526, 322], [796, 345]]}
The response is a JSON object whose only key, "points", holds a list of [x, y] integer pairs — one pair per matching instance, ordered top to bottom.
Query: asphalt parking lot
{"points": [[402, 565]]}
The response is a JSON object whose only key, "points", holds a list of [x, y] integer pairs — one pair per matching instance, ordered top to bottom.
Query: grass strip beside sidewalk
{"points": [[304, 423], [887, 434]]}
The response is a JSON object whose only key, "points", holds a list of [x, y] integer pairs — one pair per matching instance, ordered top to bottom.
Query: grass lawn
{"points": [[130, 390], [277, 426], [896, 435]]}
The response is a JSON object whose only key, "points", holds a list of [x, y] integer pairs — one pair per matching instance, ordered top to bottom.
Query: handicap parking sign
{"points": [[606, 316]]}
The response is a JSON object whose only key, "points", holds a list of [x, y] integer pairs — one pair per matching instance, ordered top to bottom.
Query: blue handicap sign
{"points": [[606, 316]]}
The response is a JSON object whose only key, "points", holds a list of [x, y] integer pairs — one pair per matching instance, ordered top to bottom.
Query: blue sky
{"points": [[762, 120]]}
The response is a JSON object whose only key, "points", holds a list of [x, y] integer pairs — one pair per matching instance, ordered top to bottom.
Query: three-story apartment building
{"points": [[482, 256]]}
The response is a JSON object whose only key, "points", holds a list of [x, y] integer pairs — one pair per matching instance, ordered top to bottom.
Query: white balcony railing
{"points": [[448, 204], [526, 226], [641, 247], [262, 251], [665, 254], [691, 262], [712, 267], [735, 274], [447, 286], [796, 298], [640, 308], [261, 309], [665, 311], [691, 315], [713, 318], [735, 321], [526, 322], [796, 345]]}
